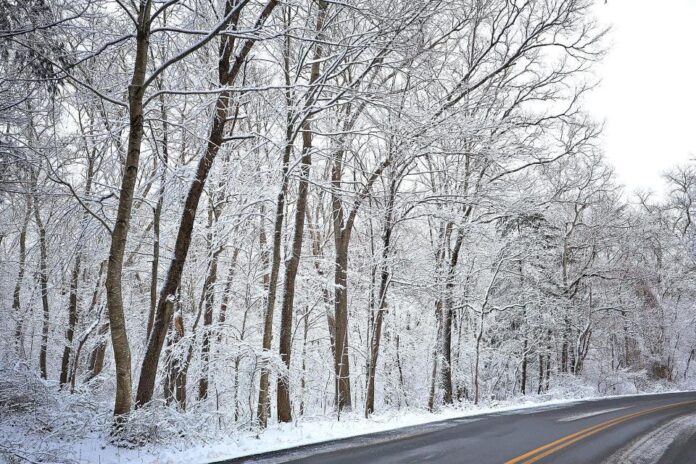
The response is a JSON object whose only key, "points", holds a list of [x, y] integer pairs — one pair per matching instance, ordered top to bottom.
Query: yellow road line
{"points": [[550, 448]]}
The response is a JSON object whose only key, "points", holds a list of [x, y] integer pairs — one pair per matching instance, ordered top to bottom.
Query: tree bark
{"points": [[227, 77], [157, 214], [119, 236], [74, 280], [43, 285], [227, 292], [16, 294], [382, 302], [93, 304], [208, 304], [287, 310], [72, 320], [447, 397], [264, 403]]}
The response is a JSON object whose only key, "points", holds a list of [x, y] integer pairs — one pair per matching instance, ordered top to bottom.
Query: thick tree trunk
{"points": [[119, 236], [148, 373], [447, 397], [264, 401]]}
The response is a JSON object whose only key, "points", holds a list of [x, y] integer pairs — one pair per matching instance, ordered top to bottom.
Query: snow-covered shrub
{"points": [[159, 424]]}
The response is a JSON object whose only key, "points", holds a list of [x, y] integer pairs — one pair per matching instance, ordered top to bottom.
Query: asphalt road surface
{"points": [[627, 430]]}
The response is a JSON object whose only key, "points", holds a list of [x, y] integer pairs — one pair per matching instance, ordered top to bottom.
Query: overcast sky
{"points": [[648, 93]]}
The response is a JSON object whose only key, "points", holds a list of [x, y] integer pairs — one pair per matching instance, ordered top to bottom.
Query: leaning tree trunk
{"points": [[227, 77]]}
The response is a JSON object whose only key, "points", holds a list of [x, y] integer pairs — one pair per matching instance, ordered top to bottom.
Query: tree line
{"points": [[273, 209]]}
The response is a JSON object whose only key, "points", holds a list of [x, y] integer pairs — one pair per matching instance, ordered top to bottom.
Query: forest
{"points": [[221, 216]]}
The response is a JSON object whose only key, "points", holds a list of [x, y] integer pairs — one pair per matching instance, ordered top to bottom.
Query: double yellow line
{"points": [[550, 448]]}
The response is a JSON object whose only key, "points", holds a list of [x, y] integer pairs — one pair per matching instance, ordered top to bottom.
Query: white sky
{"points": [[647, 97]]}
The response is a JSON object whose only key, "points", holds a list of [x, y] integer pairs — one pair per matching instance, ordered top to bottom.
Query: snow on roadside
{"points": [[314, 430], [317, 430], [95, 449]]}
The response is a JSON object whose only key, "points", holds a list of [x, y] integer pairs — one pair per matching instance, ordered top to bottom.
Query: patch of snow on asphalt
{"points": [[590, 414], [649, 448]]}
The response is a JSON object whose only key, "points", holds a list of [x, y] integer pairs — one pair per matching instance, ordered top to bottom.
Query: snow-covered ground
{"points": [[52, 446]]}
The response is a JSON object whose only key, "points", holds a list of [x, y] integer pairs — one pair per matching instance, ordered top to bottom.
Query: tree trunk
{"points": [[227, 77], [157, 214], [119, 236], [43, 284], [227, 292], [16, 300], [208, 303], [382, 303], [93, 304], [287, 309], [163, 314], [72, 320], [96, 357], [341, 359], [478, 360], [65, 371], [434, 377], [175, 380], [523, 382], [447, 397], [264, 403], [263, 407]]}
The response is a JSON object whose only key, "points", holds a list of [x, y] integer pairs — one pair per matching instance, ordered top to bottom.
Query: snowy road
{"points": [[637, 430]]}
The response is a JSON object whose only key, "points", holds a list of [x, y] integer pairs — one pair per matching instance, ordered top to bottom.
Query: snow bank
{"points": [[39, 422]]}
